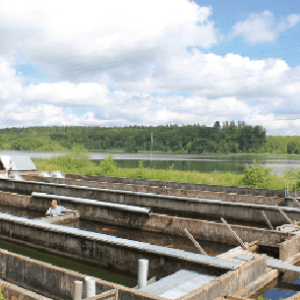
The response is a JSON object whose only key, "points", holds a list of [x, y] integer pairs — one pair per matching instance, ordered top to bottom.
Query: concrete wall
{"points": [[182, 185], [232, 197], [172, 204], [204, 230], [289, 248], [109, 255], [55, 282], [231, 282], [58, 283], [13, 292]]}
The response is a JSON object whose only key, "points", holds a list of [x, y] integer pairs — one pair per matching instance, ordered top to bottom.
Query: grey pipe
{"points": [[130, 208]]}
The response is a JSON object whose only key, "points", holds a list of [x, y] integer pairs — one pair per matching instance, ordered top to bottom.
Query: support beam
{"points": [[296, 202], [285, 216], [267, 220], [234, 234], [197, 245]]}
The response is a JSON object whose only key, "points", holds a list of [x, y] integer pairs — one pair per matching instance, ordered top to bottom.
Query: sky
{"points": [[157, 62]]}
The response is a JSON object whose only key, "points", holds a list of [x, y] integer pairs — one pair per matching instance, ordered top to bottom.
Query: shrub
{"points": [[108, 165], [256, 176]]}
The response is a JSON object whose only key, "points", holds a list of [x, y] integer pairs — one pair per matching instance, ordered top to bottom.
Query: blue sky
{"points": [[227, 13], [150, 63]]}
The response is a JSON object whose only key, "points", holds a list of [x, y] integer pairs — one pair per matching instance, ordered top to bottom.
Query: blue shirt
{"points": [[57, 210]]}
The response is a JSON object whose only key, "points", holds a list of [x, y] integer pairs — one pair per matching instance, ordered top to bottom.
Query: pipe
{"points": [[116, 206], [143, 272], [90, 286], [77, 290]]}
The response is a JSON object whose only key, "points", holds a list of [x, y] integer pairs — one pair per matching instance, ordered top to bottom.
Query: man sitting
{"points": [[55, 209]]}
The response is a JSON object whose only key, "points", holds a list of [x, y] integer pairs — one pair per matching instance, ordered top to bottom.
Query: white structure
{"points": [[17, 163]]}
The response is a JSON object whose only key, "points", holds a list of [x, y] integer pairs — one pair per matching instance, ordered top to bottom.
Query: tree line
{"points": [[192, 139]]}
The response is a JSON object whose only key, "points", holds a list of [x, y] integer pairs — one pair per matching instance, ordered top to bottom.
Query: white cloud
{"points": [[264, 27], [79, 39], [113, 66], [220, 88], [67, 94]]}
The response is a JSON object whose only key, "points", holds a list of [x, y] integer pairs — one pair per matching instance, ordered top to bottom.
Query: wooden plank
{"points": [[234, 234], [195, 242], [106, 294]]}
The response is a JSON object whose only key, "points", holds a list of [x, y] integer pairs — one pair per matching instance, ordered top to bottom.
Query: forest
{"points": [[191, 139]]}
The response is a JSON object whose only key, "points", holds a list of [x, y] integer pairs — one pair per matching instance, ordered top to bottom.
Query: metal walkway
{"points": [[146, 247], [271, 263], [177, 284]]}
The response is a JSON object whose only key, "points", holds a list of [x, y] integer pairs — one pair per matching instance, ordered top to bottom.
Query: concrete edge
{"points": [[13, 291]]}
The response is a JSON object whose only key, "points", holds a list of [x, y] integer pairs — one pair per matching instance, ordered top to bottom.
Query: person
{"points": [[10, 168], [55, 209]]}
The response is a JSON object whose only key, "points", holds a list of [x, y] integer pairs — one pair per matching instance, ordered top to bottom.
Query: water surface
{"points": [[208, 163], [165, 240], [58, 261]]}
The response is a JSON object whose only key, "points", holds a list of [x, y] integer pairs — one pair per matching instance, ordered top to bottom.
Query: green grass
{"points": [[217, 178]]}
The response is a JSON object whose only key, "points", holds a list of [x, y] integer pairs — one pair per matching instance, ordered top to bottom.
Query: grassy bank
{"points": [[253, 177]]}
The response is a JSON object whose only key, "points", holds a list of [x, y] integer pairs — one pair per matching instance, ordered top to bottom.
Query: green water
{"points": [[58, 261]]}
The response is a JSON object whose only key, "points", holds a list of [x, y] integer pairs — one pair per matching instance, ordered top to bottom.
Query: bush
{"points": [[108, 166], [256, 176]]}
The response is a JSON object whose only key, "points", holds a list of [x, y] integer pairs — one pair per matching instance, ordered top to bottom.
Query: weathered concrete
{"points": [[184, 185], [232, 197], [172, 204], [200, 229], [289, 248], [107, 251], [55, 282], [58, 283], [231, 283], [259, 284], [12, 291]]}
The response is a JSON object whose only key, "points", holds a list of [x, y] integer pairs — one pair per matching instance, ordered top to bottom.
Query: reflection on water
{"points": [[206, 163], [169, 241], [56, 260], [285, 286]]}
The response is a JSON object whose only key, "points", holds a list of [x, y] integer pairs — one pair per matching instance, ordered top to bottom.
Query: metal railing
{"points": [[292, 186]]}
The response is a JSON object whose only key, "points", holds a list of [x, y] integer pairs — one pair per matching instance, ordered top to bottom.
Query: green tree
{"points": [[75, 159], [108, 165], [256, 176]]}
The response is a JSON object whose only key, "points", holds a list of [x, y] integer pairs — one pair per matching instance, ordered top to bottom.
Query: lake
{"points": [[202, 163]]}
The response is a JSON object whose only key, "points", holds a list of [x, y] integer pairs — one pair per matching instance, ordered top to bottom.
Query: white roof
{"points": [[19, 162]]}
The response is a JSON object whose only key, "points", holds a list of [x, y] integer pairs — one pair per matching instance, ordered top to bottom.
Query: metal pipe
{"points": [[151, 145], [116, 206], [143, 272], [90, 286], [77, 290]]}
